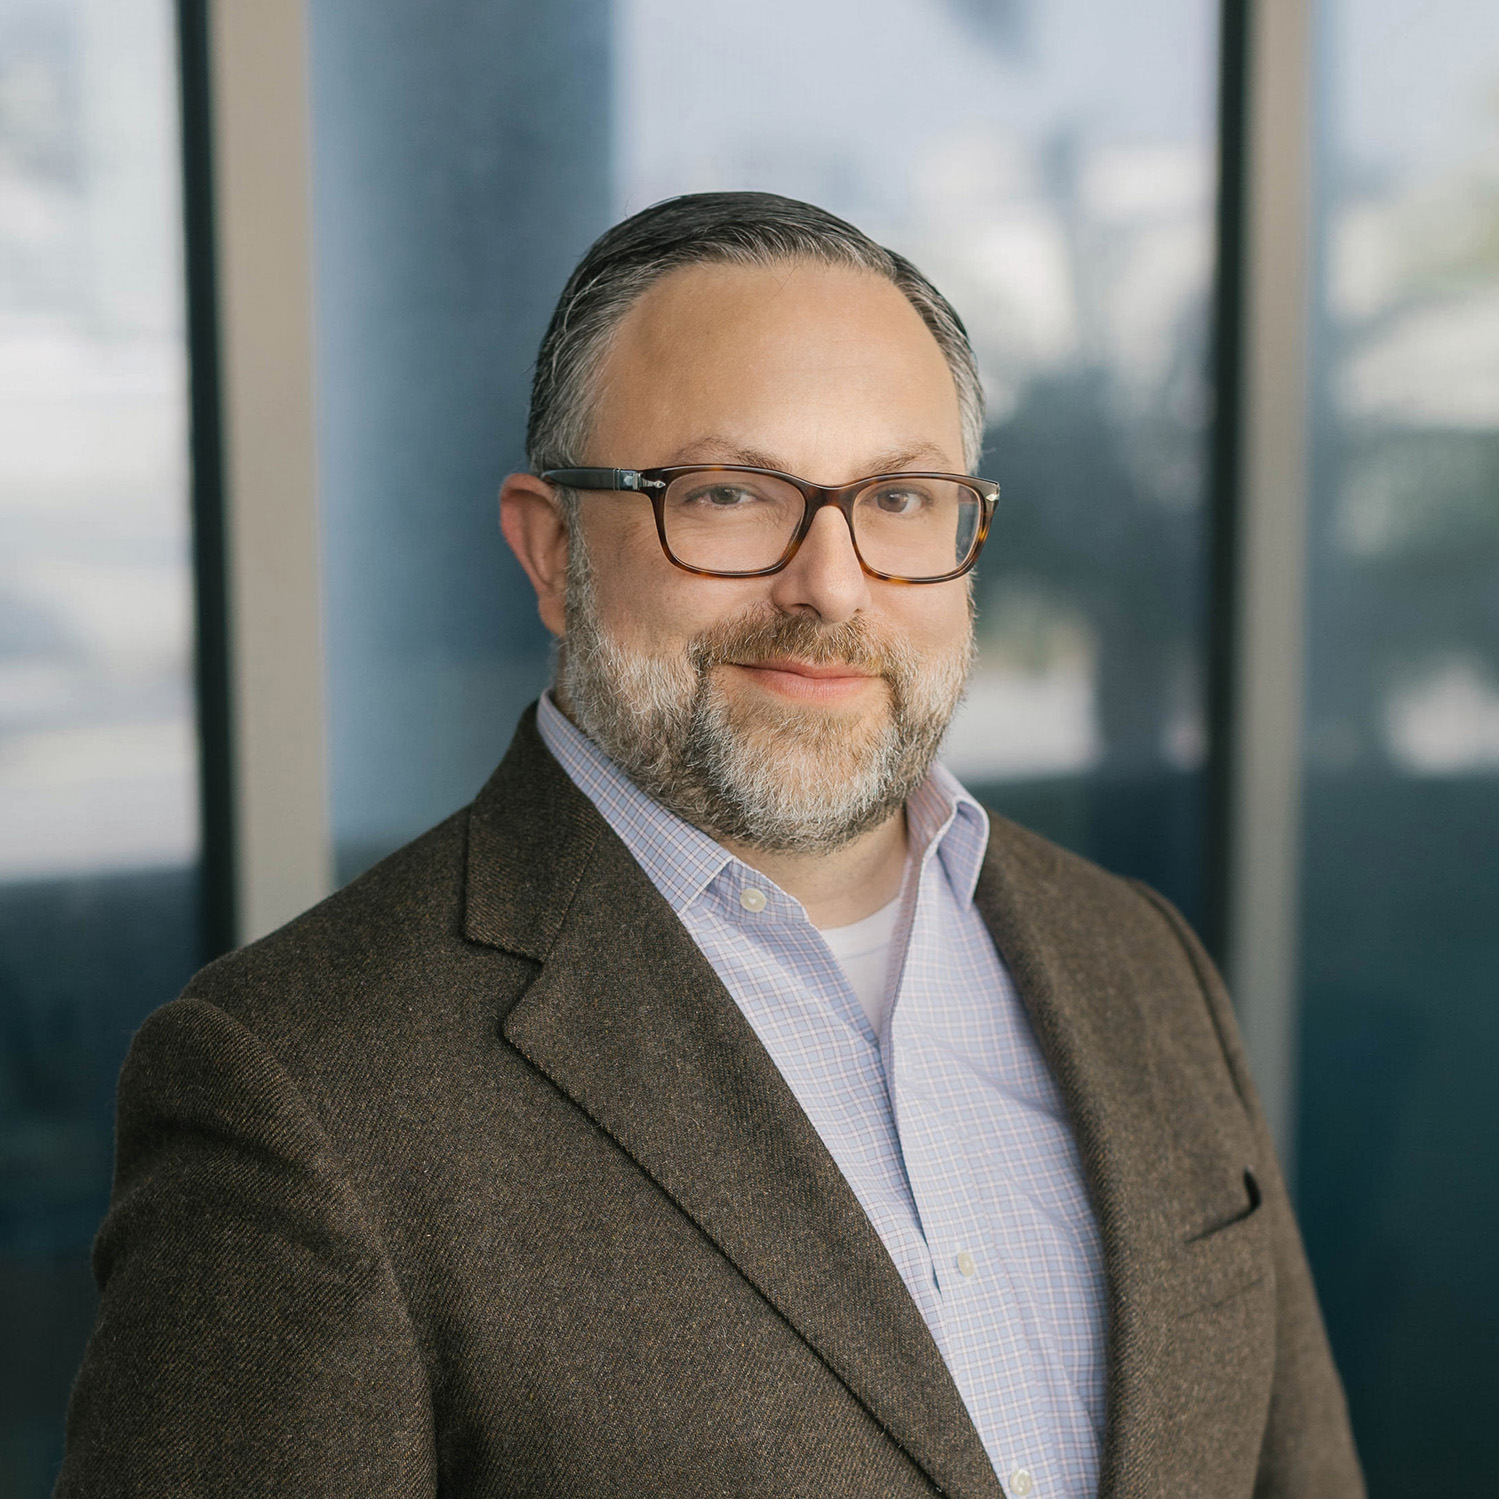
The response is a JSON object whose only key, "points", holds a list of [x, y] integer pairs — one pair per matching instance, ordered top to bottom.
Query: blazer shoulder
{"points": [[1037, 868], [412, 892], [1093, 916], [1111, 923], [419, 959], [361, 962]]}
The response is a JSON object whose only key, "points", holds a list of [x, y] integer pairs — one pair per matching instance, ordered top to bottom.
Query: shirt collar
{"points": [[941, 814], [682, 861]]}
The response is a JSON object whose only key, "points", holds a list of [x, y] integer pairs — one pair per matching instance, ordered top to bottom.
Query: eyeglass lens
{"points": [[905, 527]]}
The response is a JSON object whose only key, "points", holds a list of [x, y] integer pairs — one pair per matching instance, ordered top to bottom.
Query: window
{"points": [[99, 835], [1398, 1160]]}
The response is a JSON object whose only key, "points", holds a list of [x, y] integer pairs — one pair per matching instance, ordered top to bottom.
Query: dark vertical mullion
{"points": [[1227, 371], [210, 559]]}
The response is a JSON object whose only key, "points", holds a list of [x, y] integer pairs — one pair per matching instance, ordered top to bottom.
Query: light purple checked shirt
{"points": [[948, 1128]]}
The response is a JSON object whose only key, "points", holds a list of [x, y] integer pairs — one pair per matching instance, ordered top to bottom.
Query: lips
{"points": [[830, 671], [825, 684]]}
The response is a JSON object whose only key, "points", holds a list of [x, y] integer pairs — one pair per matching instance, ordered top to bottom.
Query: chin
{"points": [[795, 727]]}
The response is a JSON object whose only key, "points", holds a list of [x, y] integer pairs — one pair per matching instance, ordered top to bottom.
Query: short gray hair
{"points": [[750, 229]]}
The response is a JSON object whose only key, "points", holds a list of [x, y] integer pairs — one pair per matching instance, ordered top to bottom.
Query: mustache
{"points": [[750, 640]]}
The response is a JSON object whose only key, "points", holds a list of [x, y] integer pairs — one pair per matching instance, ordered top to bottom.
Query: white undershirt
{"points": [[863, 952]]}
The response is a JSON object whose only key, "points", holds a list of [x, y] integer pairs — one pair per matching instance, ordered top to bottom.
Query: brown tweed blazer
{"points": [[475, 1181]]}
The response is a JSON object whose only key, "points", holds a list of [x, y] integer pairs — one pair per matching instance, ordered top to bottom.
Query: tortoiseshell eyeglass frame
{"points": [[653, 482]]}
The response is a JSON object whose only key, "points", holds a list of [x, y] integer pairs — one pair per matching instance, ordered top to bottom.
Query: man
{"points": [[721, 1104]]}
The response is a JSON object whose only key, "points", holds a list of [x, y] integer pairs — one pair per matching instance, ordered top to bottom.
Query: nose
{"points": [[824, 576]]}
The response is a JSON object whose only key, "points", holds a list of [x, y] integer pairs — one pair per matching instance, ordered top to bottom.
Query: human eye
{"points": [[721, 495], [900, 499]]}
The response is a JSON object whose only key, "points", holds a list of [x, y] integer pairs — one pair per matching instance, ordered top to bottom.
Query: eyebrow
{"points": [[721, 450]]}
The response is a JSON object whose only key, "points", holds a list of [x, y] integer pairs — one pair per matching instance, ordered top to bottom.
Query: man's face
{"points": [[790, 711]]}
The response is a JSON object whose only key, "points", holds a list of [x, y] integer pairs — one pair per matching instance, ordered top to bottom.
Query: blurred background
{"points": [[272, 274]]}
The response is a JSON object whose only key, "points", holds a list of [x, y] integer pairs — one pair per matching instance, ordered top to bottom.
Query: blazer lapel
{"points": [[1083, 996], [629, 1019]]}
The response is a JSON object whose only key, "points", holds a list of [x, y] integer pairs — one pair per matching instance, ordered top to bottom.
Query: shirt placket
{"points": [[977, 1317]]}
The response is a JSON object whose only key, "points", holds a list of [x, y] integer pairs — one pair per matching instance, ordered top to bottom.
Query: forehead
{"points": [[798, 357]]}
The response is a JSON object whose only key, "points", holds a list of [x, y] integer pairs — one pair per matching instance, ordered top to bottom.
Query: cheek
{"points": [[626, 562], [642, 599], [931, 620]]}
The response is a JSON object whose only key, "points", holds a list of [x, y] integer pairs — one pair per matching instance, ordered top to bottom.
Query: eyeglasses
{"points": [[727, 521]]}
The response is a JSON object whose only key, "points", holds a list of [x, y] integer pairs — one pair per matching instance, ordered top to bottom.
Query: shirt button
{"points": [[752, 899], [967, 1267], [1021, 1482]]}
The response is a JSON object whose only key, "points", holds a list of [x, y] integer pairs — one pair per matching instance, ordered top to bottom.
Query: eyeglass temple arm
{"points": [[599, 478]]}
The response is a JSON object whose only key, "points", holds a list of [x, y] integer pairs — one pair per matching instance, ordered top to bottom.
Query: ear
{"points": [[536, 529]]}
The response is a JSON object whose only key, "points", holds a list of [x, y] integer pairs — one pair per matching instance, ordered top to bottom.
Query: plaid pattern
{"points": [[948, 1128]]}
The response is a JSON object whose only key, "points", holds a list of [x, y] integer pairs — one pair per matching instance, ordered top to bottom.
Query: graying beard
{"points": [[667, 726], [746, 806]]}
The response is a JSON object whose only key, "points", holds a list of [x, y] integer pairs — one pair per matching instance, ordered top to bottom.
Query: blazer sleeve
{"points": [[251, 1338], [1307, 1451]]}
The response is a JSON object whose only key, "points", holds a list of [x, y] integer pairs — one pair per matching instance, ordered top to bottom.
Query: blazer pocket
{"points": [[1253, 1197], [1231, 1254]]}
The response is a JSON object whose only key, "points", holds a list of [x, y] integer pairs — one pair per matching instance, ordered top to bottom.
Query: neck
{"points": [[840, 887]]}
